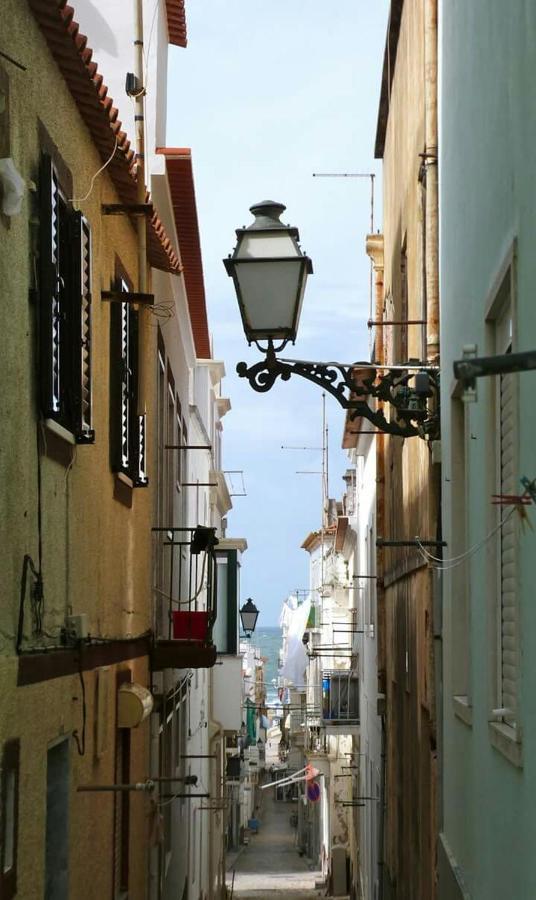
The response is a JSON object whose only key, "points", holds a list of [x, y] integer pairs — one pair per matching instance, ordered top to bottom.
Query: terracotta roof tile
{"points": [[176, 20], [74, 60], [181, 187]]}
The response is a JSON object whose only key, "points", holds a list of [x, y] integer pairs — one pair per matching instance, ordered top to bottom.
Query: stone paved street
{"points": [[270, 866]]}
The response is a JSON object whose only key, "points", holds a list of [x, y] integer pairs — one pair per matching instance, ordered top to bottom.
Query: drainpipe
{"points": [[430, 164], [141, 221], [374, 248], [375, 251], [218, 780]]}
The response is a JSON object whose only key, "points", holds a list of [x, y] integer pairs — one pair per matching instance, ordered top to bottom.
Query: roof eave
{"points": [[74, 60], [389, 63]]}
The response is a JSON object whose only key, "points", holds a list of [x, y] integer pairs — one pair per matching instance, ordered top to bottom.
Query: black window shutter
{"points": [[49, 290], [80, 332], [119, 378], [127, 428], [141, 479]]}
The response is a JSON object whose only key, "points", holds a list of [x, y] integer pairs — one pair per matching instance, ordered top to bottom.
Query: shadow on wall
{"points": [[101, 36]]}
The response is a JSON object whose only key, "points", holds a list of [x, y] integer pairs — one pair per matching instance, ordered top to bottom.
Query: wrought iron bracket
{"points": [[416, 411]]}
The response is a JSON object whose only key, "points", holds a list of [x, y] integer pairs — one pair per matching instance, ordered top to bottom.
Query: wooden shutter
{"points": [[49, 290], [80, 309], [120, 388], [136, 423], [141, 479], [507, 552]]}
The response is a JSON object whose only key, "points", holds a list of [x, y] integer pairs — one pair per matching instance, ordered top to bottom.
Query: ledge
{"points": [[63, 433], [58, 663], [463, 709], [507, 741]]}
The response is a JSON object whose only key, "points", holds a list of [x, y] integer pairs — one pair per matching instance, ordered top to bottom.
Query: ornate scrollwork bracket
{"points": [[412, 392]]}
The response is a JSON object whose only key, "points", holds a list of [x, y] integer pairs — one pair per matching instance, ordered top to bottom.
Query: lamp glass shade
{"points": [[269, 272], [270, 296], [248, 616]]}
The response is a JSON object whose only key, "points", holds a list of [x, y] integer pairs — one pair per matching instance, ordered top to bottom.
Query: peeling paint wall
{"points": [[410, 495]]}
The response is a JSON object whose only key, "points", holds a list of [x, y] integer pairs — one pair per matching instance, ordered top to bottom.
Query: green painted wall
{"points": [[487, 202]]}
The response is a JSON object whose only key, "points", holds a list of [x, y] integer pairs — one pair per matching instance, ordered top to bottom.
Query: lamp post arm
{"points": [[352, 386]]}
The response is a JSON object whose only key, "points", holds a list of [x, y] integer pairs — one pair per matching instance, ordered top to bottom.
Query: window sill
{"points": [[63, 433], [124, 479], [124, 489], [463, 709], [507, 741]]}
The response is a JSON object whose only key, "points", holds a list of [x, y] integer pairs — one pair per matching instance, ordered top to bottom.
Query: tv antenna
{"points": [[369, 175]]}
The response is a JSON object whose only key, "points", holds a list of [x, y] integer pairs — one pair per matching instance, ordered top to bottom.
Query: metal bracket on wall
{"points": [[127, 209], [128, 297], [406, 388], [382, 542]]}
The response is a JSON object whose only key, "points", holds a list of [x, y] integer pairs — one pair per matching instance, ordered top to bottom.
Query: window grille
{"points": [[64, 309], [127, 428], [340, 697]]}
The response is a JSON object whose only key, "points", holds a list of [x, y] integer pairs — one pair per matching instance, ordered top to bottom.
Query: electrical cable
{"points": [[92, 182], [453, 562], [28, 563], [191, 599], [81, 742]]}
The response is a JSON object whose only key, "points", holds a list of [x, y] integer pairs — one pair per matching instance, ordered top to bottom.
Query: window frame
{"points": [[65, 306], [128, 429], [459, 578], [505, 732], [10, 766]]}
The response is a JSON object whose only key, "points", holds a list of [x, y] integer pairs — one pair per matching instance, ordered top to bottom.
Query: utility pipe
{"points": [[430, 162], [141, 221]]}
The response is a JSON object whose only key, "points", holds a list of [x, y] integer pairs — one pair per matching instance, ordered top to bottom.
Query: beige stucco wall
{"points": [[410, 497], [96, 548], [40, 715]]}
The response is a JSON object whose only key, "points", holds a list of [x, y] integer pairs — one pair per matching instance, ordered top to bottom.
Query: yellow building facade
{"points": [[76, 471]]}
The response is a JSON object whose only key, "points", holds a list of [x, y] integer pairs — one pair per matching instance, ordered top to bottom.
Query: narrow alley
{"points": [[270, 865]]}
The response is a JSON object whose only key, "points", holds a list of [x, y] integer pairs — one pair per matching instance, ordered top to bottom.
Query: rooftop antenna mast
{"points": [[370, 175]]}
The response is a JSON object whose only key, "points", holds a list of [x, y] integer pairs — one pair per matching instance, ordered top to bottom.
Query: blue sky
{"points": [[265, 95]]}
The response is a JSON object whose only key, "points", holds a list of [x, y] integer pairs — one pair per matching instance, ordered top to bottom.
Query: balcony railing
{"points": [[185, 598], [340, 698]]}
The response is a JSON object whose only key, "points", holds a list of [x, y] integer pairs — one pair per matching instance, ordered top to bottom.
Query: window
{"points": [[64, 309], [403, 332], [505, 402], [127, 427], [172, 439], [457, 578], [370, 586], [225, 630], [340, 697], [9, 819], [57, 822], [121, 857]]}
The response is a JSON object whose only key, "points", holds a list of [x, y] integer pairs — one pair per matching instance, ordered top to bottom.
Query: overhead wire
{"points": [[95, 176], [444, 565]]}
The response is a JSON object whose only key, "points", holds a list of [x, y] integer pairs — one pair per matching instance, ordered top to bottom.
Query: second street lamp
{"points": [[269, 271], [248, 617]]}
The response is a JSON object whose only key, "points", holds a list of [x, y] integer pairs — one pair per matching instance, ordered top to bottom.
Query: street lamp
{"points": [[269, 271], [248, 616]]}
